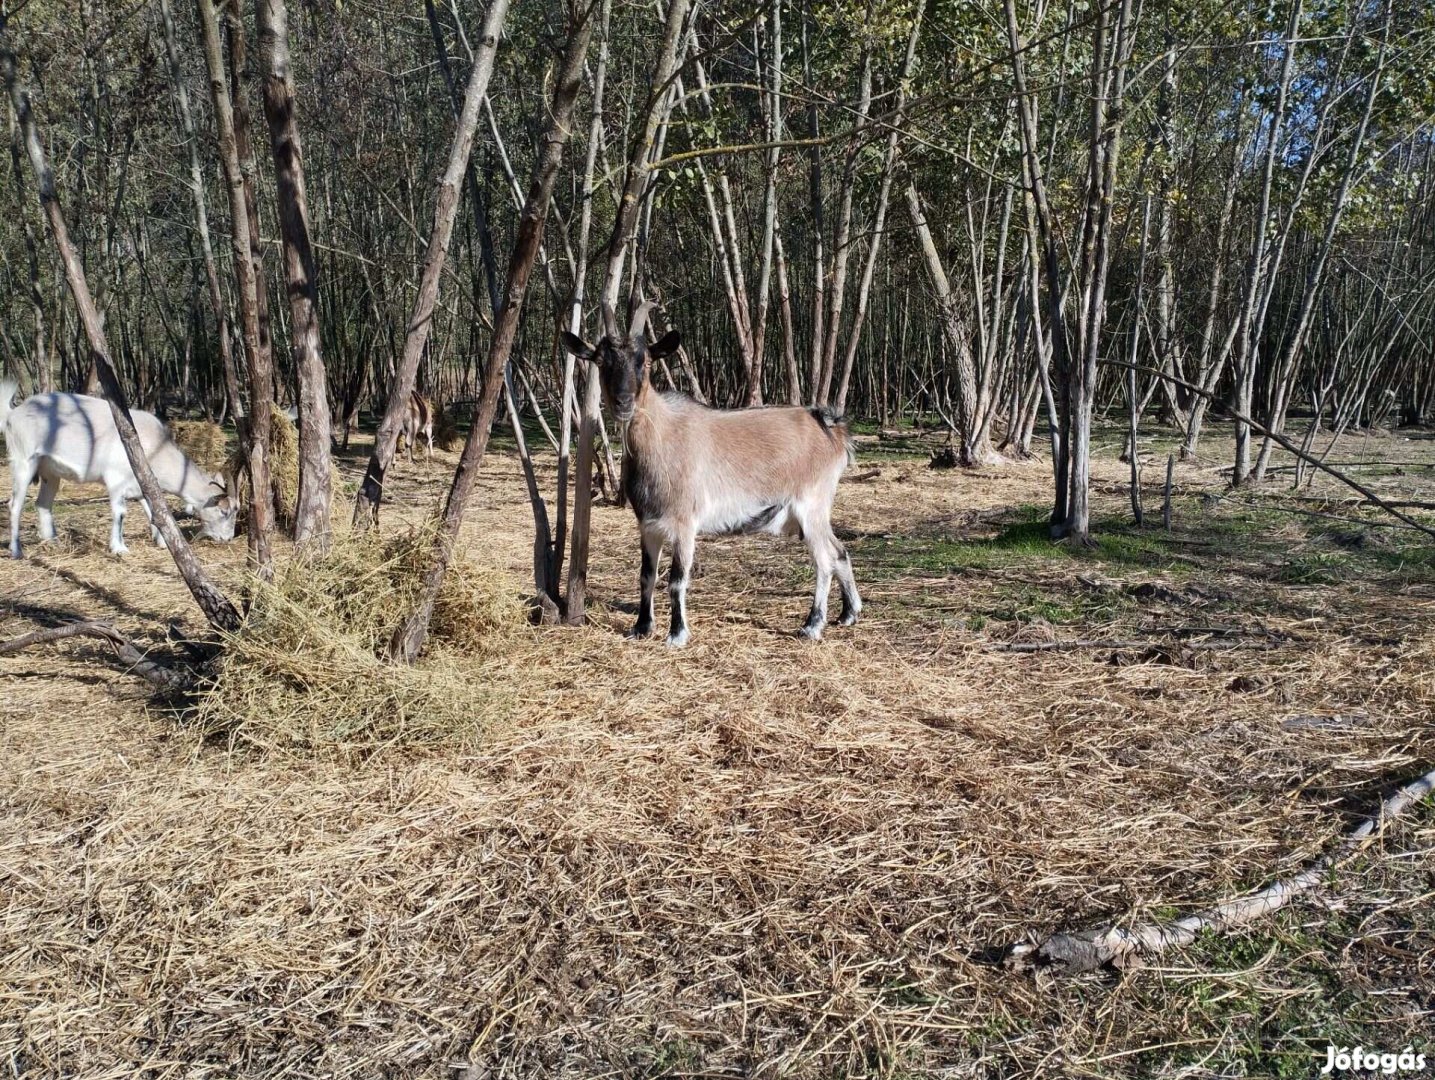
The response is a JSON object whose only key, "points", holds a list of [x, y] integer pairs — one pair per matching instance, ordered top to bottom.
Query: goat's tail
{"points": [[8, 387], [836, 428]]}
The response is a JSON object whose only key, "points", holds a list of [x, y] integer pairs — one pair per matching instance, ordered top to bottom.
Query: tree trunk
{"points": [[201, 216], [879, 221], [624, 226], [842, 244], [580, 279], [975, 446], [366, 503], [261, 509], [312, 513], [221, 614], [409, 638]]}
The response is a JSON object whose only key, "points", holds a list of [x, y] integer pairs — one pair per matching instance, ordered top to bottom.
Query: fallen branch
{"points": [[125, 649], [1087, 950]]}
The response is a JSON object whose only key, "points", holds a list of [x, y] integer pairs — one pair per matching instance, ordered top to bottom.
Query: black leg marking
{"points": [[647, 578], [677, 587]]}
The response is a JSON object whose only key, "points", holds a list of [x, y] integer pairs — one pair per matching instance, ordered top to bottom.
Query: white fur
{"points": [[73, 437]]}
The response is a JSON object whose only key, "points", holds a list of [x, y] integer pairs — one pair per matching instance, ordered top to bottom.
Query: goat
{"points": [[418, 420], [73, 437], [691, 471]]}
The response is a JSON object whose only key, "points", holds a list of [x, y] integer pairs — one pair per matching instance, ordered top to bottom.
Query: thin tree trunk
{"points": [[769, 208], [201, 216], [879, 221], [624, 226], [842, 244], [1315, 277], [580, 279], [1247, 334], [789, 345], [971, 432], [366, 503], [261, 508], [312, 512], [221, 614], [409, 638]]}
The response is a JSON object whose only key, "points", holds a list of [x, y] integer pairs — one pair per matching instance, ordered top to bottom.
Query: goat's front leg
{"points": [[117, 524], [154, 532], [652, 545], [678, 570], [851, 601]]}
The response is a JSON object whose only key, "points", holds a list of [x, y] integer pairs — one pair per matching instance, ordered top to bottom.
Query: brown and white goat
{"points": [[418, 420], [692, 471]]}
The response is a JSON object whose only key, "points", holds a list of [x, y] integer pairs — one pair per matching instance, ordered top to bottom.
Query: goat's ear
{"points": [[576, 345], [665, 345]]}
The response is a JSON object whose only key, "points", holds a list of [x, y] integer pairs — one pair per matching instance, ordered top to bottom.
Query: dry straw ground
{"points": [[755, 856]]}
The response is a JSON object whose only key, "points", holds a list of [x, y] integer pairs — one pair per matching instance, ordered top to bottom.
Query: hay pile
{"points": [[446, 435], [203, 442], [283, 469], [303, 674]]}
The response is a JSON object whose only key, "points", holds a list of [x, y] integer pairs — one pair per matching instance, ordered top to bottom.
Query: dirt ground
{"points": [[757, 856]]}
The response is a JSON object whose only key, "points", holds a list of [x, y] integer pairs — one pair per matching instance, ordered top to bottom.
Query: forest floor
{"points": [[758, 856]]}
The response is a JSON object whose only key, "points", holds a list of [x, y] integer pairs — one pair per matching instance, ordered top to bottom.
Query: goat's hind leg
{"points": [[21, 473], [118, 498], [818, 537], [683, 546], [851, 602]]}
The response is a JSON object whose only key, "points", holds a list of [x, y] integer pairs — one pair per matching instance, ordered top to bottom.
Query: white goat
{"points": [[73, 437], [691, 471]]}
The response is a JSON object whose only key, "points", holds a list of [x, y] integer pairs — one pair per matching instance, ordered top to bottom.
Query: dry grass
{"points": [[446, 433], [203, 441], [303, 674], [752, 857]]}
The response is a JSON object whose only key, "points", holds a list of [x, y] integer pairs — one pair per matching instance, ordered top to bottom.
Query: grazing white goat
{"points": [[418, 420], [73, 437], [691, 471]]}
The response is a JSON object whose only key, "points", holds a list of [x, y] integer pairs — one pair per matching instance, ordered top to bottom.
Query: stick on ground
{"points": [[1087, 950]]}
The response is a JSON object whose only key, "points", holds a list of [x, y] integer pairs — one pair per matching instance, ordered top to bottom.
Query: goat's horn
{"points": [[610, 321]]}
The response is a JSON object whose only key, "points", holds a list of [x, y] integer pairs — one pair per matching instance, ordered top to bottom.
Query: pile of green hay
{"points": [[304, 674]]}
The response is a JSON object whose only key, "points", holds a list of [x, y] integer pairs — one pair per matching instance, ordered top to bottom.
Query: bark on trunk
{"points": [[624, 227], [261, 509], [312, 512], [409, 638]]}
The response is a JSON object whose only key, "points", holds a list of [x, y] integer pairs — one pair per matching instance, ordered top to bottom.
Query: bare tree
{"points": [[624, 228], [366, 504], [261, 508], [312, 514], [216, 607], [409, 638]]}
